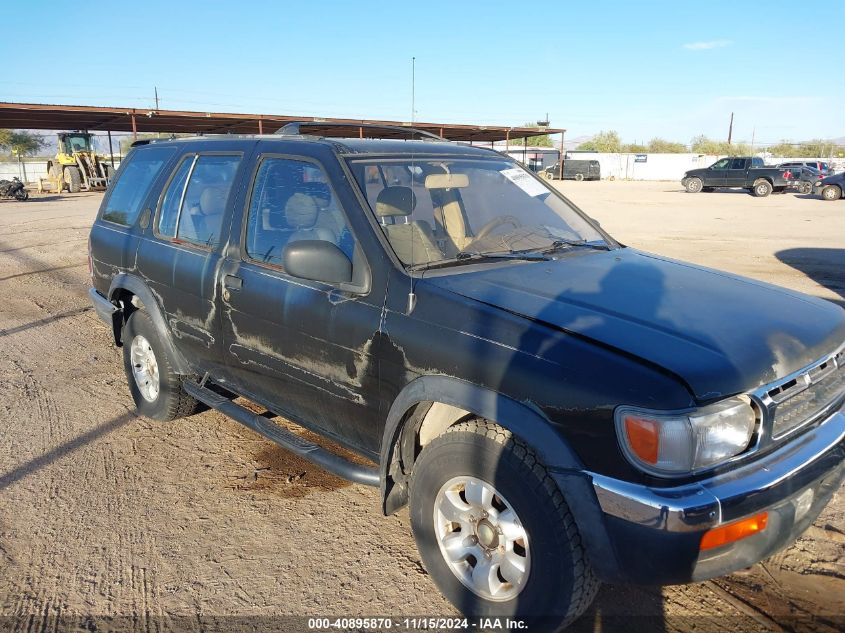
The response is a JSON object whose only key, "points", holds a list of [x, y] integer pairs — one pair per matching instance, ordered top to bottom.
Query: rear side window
{"points": [[131, 188], [194, 202]]}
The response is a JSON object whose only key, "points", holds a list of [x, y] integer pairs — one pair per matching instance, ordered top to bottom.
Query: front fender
{"points": [[138, 287], [521, 419]]}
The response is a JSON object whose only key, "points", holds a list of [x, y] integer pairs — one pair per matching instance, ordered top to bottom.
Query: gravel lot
{"points": [[104, 514]]}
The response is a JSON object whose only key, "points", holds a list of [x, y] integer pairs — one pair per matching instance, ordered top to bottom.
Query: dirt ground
{"points": [[168, 526]]}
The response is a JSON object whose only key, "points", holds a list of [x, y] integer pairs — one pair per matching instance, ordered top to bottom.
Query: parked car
{"points": [[823, 168], [574, 169], [739, 173], [806, 176], [831, 187], [558, 409]]}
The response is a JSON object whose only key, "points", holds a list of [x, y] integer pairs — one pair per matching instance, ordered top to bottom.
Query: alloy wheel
{"points": [[144, 368], [481, 538]]}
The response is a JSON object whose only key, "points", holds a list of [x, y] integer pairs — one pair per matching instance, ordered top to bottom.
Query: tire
{"points": [[579, 177], [73, 179], [694, 185], [761, 188], [806, 188], [831, 192], [21, 194], [167, 401], [555, 580]]}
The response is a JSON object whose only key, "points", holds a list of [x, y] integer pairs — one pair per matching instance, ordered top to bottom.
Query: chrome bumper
{"points": [[779, 483], [726, 497]]}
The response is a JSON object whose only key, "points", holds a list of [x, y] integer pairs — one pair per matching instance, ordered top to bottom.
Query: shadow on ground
{"points": [[825, 266]]}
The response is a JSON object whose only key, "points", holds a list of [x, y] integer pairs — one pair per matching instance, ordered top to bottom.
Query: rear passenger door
{"points": [[735, 175], [180, 255], [302, 348]]}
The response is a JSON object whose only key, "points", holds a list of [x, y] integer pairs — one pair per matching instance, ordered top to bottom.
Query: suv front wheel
{"points": [[155, 387], [494, 531]]}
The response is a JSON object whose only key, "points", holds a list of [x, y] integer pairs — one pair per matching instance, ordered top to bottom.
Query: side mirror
{"points": [[317, 260]]}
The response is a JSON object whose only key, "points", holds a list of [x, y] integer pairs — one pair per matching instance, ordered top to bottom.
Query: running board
{"points": [[289, 441]]}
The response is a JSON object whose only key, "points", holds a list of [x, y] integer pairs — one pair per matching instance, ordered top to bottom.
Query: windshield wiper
{"points": [[561, 243], [466, 257]]}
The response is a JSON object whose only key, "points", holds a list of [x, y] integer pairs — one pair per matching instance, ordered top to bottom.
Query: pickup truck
{"points": [[740, 173]]}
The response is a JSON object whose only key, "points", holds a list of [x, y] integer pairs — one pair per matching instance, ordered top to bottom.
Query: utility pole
{"points": [[156, 91], [731, 128]]}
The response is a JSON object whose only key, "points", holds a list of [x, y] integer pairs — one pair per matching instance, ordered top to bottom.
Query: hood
{"points": [[719, 333]]}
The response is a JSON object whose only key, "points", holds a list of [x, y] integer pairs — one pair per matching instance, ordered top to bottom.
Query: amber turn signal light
{"points": [[643, 438], [732, 532]]}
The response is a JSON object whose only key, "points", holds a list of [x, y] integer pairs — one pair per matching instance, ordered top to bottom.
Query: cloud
{"points": [[706, 46]]}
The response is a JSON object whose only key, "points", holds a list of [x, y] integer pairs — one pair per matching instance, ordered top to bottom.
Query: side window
{"points": [[738, 163], [721, 164], [131, 188], [172, 200], [291, 201], [193, 206]]}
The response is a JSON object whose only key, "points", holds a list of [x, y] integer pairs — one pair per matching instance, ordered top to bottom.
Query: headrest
{"points": [[320, 191], [213, 200], [395, 201], [301, 211]]}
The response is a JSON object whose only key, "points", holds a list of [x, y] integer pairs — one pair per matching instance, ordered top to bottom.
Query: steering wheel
{"points": [[485, 230]]}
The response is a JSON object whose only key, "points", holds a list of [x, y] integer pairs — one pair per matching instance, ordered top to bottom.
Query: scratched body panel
{"points": [[307, 348]]}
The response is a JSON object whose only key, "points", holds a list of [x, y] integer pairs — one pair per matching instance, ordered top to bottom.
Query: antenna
{"points": [[413, 86], [412, 297]]}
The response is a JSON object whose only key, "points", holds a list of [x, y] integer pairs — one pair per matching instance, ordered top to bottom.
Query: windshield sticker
{"points": [[524, 181]]}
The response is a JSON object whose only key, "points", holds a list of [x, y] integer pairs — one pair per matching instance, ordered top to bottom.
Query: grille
{"points": [[806, 396]]}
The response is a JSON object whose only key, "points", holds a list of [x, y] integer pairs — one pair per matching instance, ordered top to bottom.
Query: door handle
{"points": [[232, 283]]}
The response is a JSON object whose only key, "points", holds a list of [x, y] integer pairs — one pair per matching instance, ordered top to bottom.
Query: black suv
{"points": [[556, 408]]}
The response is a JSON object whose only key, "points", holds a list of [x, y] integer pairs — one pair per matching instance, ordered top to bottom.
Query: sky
{"points": [[645, 69]]}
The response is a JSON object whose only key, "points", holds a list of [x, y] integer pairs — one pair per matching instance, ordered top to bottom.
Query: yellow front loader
{"points": [[76, 166]]}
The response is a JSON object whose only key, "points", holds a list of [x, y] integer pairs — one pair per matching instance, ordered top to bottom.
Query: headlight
{"points": [[673, 443]]}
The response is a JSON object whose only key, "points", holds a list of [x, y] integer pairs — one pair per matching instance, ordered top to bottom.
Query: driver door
{"points": [[718, 173]]}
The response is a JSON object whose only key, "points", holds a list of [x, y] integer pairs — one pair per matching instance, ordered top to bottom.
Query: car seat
{"points": [[413, 242]]}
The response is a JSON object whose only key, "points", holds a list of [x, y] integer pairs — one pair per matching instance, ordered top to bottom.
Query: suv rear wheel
{"points": [[155, 387], [494, 531]]}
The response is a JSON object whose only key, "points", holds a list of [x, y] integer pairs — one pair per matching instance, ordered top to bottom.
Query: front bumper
{"points": [[655, 533]]}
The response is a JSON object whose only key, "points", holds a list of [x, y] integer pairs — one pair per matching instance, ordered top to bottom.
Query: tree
{"points": [[542, 140], [21, 142], [605, 142], [703, 145], [662, 146], [634, 148], [784, 149]]}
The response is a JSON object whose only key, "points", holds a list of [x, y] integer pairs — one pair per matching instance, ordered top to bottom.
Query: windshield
{"points": [[77, 143], [450, 210]]}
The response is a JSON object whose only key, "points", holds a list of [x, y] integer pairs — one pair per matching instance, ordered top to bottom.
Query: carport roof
{"points": [[95, 118]]}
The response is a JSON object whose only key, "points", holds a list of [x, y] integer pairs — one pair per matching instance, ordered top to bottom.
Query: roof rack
{"points": [[326, 128]]}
